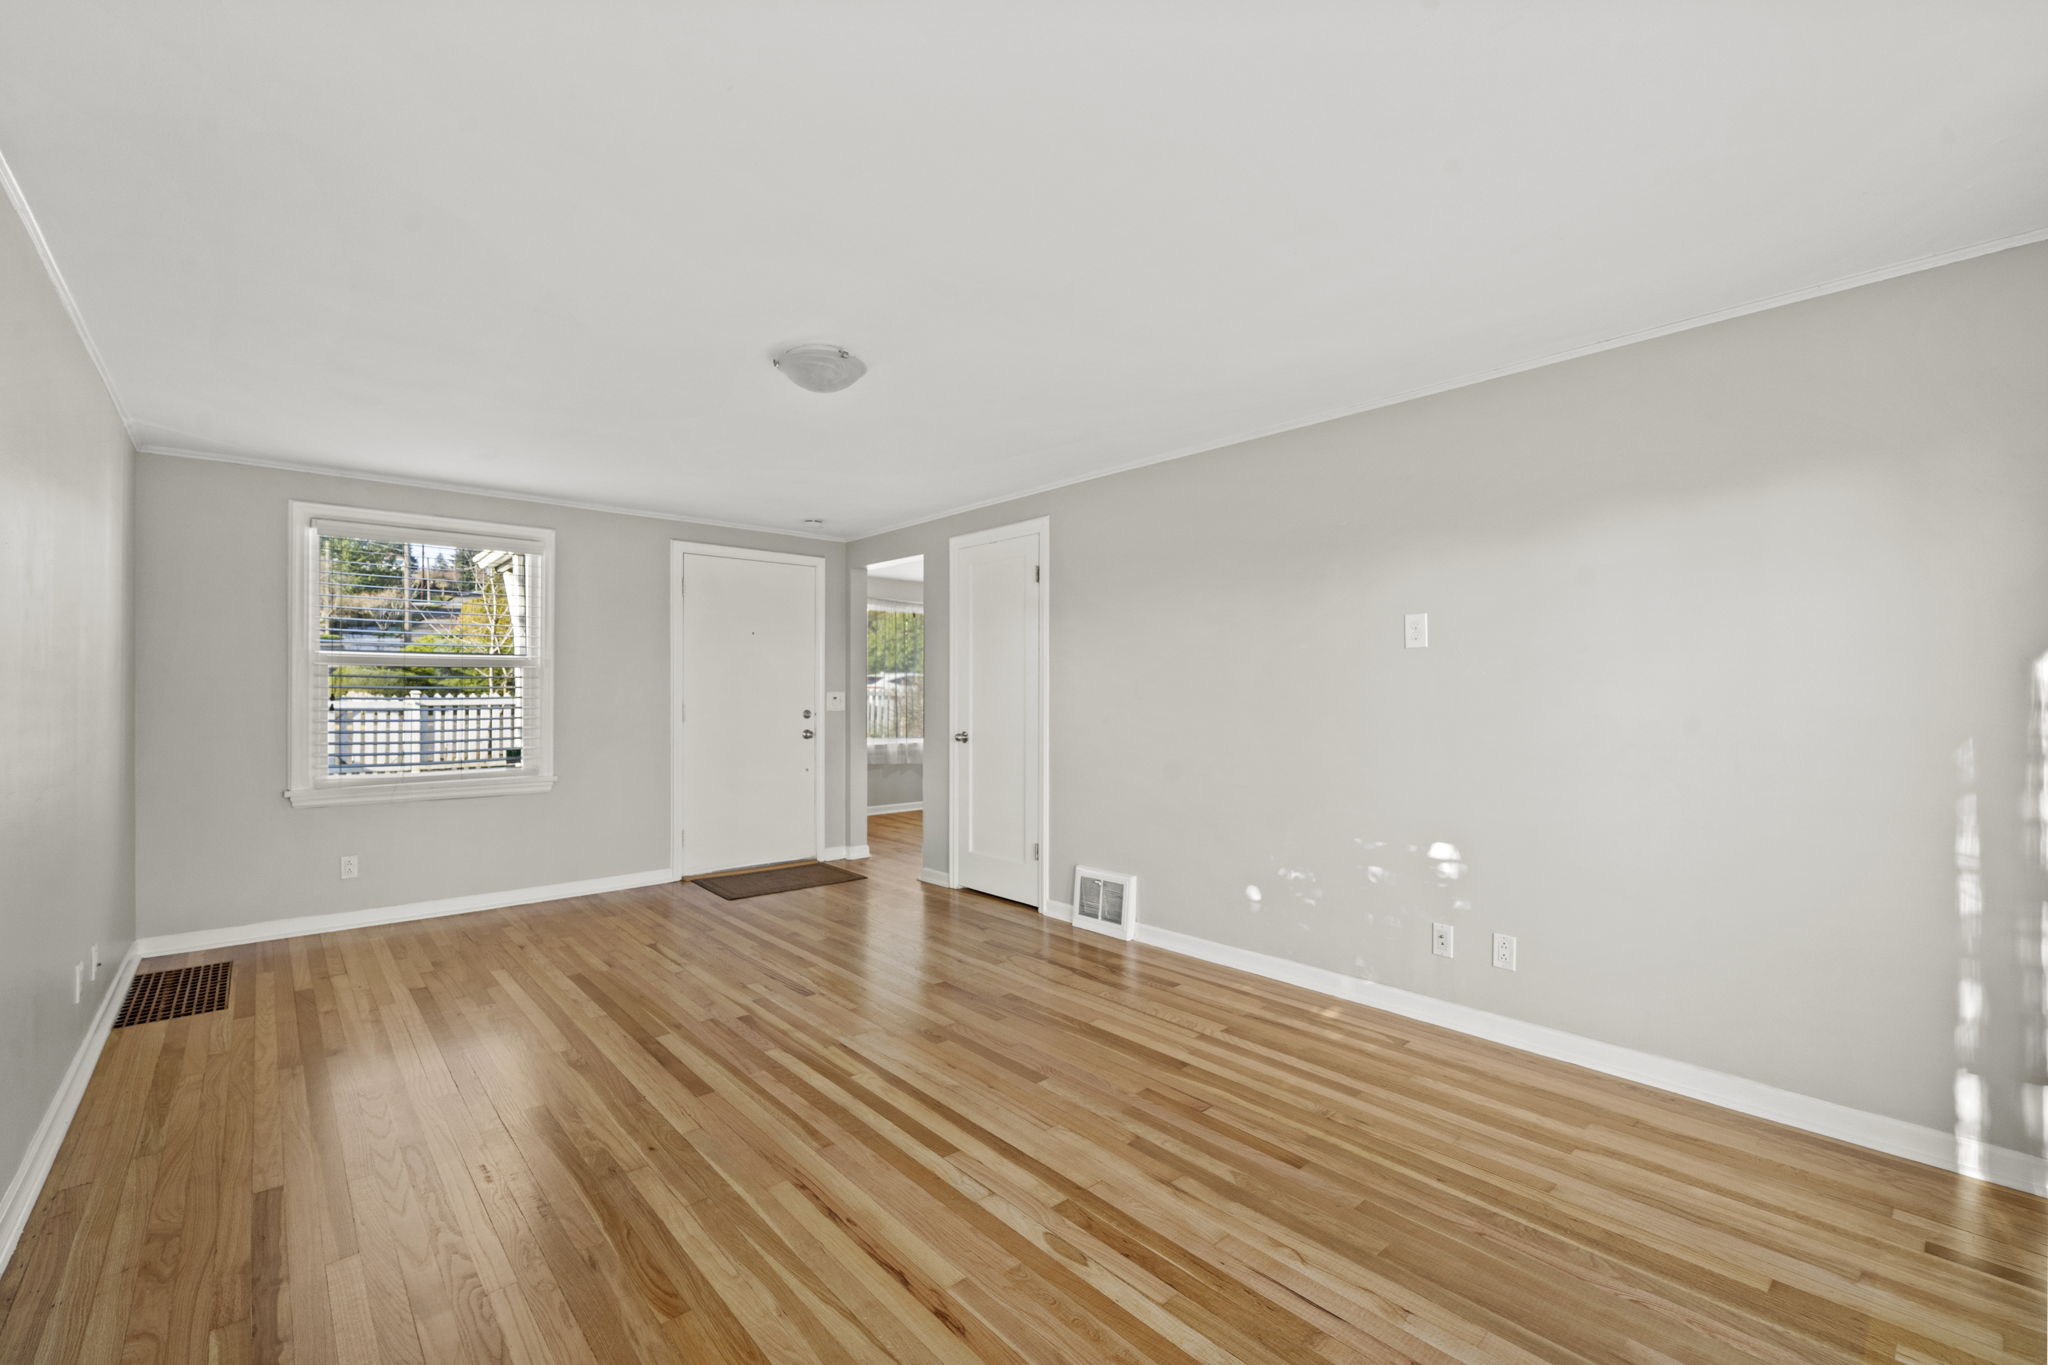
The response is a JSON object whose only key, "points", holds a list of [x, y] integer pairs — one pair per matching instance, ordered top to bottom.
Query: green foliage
{"points": [[363, 566], [362, 579], [414, 599], [482, 626], [895, 642], [895, 673]]}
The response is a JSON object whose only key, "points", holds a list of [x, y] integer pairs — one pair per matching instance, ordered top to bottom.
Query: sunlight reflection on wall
{"points": [[1393, 884], [2035, 988], [1971, 1113]]}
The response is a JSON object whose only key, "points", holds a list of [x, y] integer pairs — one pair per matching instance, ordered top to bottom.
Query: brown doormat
{"points": [[738, 886]]}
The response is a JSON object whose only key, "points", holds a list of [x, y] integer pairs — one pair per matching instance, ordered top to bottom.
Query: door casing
{"points": [[677, 663]]}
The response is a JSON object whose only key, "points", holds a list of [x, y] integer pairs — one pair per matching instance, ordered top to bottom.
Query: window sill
{"points": [[442, 790]]}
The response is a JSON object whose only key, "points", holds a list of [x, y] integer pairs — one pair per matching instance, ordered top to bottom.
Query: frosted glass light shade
{"points": [[820, 368]]}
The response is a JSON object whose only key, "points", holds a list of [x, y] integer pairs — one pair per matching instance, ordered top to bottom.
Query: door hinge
{"points": [[1036, 571], [679, 836], [1034, 853]]}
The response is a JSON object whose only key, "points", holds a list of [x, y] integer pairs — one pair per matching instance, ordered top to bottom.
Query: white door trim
{"points": [[1042, 528], [676, 663]]}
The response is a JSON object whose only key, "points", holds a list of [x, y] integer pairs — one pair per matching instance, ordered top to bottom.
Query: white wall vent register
{"points": [[1106, 902]]}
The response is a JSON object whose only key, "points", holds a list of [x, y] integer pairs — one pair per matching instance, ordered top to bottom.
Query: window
{"points": [[420, 657], [895, 671]]}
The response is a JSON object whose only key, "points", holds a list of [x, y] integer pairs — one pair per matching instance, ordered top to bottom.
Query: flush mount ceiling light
{"points": [[820, 368]]}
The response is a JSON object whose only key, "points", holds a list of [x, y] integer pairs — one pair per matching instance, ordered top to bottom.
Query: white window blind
{"points": [[422, 660]]}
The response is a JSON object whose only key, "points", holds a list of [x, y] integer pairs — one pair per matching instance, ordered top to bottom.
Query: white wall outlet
{"points": [[1417, 628], [835, 701], [351, 864], [1440, 940], [1504, 952], [77, 982]]}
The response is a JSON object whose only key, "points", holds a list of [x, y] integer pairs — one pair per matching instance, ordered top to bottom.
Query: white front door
{"points": [[997, 718], [750, 747]]}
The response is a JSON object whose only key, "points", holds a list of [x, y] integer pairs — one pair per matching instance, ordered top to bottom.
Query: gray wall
{"points": [[1732, 632], [66, 781], [895, 784], [217, 844]]}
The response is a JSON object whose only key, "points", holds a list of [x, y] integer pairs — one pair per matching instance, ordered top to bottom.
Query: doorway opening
{"points": [[895, 687]]}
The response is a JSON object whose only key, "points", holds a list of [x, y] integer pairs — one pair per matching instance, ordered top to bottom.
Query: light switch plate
{"points": [[835, 701]]}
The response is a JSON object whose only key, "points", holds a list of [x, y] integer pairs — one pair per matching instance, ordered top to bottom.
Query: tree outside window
{"points": [[895, 674]]}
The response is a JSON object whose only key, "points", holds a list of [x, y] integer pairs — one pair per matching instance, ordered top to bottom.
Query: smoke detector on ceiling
{"points": [[820, 368]]}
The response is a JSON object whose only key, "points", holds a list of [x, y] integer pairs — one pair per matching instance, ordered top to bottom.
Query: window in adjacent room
{"points": [[420, 657], [895, 670], [896, 683]]}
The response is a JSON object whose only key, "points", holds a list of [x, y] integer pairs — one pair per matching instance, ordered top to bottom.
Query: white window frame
{"points": [[309, 782]]}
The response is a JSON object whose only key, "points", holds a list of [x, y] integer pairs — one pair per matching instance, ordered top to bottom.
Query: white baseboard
{"points": [[896, 809], [839, 853], [938, 878], [1064, 912], [263, 931], [1896, 1137], [34, 1168]]}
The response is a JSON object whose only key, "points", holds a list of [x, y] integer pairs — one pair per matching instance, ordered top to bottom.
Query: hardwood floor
{"points": [[881, 1121]]}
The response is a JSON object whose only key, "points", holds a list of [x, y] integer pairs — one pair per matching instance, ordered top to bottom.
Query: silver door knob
{"points": [[810, 734], [960, 738]]}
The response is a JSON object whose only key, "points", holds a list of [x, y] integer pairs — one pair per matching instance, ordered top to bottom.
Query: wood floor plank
{"points": [[879, 1121]]}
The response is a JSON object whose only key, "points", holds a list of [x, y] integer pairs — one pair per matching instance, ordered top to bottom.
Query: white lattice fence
{"points": [[422, 734]]}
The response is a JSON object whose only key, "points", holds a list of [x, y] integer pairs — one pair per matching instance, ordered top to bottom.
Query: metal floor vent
{"points": [[1106, 902], [176, 993]]}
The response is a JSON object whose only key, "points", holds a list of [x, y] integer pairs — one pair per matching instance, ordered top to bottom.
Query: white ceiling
{"points": [[548, 248], [909, 570]]}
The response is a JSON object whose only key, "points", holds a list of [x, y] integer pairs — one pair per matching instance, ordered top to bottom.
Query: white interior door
{"points": [[998, 720], [750, 722]]}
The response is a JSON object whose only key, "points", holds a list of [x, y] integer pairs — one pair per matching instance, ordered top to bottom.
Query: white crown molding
{"points": [[19, 200], [1354, 408], [478, 491], [264, 931], [1878, 1132], [35, 1165]]}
